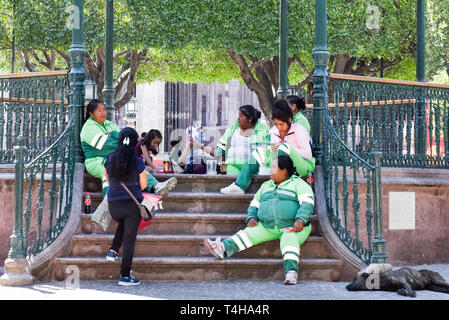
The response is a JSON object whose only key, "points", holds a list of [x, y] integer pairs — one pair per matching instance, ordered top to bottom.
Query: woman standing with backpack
{"points": [[123, 165]]}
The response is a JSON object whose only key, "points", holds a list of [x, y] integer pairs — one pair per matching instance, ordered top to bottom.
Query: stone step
{"points": [[188, 182], [196, 202], [185, 223], [187, 246], [199, 269]]}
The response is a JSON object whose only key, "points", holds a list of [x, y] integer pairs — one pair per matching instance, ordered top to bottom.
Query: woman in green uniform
{"points": [[99, 138], [281, 209]]}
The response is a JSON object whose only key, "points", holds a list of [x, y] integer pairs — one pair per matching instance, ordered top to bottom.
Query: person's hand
{"points": [[196, 144], [274, 148], [252, 222], [298, 226]]}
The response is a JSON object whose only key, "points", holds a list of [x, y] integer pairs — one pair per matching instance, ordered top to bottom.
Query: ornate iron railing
{"points": [[34, 106], [408, 119], [39, 128], [48, 181], [353, 195]]}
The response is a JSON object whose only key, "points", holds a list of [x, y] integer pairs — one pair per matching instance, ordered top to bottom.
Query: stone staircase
{"points": [[171, 247]]}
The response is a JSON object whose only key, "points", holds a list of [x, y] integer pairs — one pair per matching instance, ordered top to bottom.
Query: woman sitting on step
{"points": [[297, 105], [287, 138], [99, 139], [238, 141], [281, 209]]}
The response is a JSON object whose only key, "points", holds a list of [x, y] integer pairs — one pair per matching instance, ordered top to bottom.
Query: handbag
{"points": [[145, 207], [102, 215]]}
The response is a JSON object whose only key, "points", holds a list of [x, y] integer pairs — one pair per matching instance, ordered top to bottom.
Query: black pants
{"points": [[127, 214]]}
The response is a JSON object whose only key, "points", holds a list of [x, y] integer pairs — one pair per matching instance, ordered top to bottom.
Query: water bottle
{"points": [[310, 178], [87, 202]]}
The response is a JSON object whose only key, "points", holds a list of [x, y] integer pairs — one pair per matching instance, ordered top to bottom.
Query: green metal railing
{"points": [[34, 106], [409, 120], [38, 135], [353, 195], [48, 199]]}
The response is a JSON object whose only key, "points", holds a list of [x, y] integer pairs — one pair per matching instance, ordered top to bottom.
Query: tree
{"points": [[247, 32], [437, 38], [43, 40], [199, 40]]}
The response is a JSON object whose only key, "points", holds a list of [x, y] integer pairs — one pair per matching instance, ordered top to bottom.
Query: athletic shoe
{"points": [[162, 188], [232, 188], [216, 248], [112, 255], [291, 277], [128, 281]]}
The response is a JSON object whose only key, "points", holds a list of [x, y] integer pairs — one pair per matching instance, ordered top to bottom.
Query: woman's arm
{"points": [[183, 158], [143, 181]]}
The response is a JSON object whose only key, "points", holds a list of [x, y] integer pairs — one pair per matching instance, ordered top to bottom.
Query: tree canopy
{"points": [[216, 40]]}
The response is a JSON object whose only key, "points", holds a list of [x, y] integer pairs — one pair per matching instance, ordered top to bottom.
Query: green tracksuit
{"points": [[302, 120], [260, 136], [97, 142], [263, 156], [277, 208]]}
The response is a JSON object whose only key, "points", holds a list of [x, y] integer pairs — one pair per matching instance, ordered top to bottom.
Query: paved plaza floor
{"points": [[222, 290]]}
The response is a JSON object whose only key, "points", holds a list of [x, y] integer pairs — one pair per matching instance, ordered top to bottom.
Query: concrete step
{"points": [[188, 182], [196, 202], [185, 223], [187, 246], [198, 268]]}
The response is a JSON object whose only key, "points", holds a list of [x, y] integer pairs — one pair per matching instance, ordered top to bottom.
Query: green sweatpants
{"points": [[266, 156], [95, 166], [251, 236]]}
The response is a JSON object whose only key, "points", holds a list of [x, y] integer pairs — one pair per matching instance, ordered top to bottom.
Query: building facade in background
{"points": [[172, 107]]}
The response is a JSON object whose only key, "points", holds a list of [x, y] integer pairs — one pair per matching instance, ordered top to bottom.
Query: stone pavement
{"points": [[187, 290]]}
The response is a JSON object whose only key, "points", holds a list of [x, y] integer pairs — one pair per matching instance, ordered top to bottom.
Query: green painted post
{"points": [[77, 75], [320, 77], [283, 90], [109, 91], [420, 141], [18, 243], [379, 255]]}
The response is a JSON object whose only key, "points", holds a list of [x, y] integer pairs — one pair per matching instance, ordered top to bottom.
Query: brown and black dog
{"points": [[404, 281]]}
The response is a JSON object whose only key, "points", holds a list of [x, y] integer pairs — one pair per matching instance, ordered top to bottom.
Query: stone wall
{"points": [[415, 206]]}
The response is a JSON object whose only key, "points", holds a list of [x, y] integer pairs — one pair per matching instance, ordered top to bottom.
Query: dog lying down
{"points": [[404, 281]]}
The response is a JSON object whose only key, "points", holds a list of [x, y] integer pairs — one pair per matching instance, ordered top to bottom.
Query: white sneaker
{"points": [[162, 188], [232, 188], [215, 247], [291, 277]]}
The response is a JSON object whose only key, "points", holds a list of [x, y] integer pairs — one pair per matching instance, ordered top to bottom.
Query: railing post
{"points": [[77, 75], [320, 77], [283, 89], [109, 91], [421, 134], [379, 255], [17, 268]]}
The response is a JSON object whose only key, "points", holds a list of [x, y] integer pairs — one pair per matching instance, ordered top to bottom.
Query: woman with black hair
{"points": [[298, 105], [99, 138], [287, 138], [238, 141], [149, 148], [123, 166], [281, 209]]}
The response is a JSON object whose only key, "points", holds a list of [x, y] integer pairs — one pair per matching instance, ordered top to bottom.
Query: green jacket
{"points": [[302, 120], [260, 136], [95, 141], [281, 206]]}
